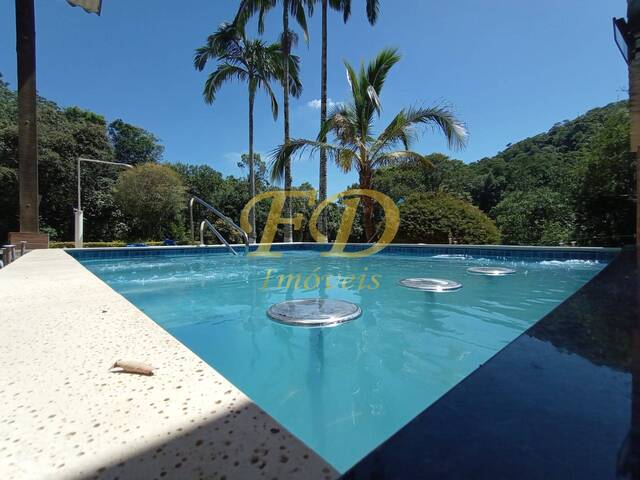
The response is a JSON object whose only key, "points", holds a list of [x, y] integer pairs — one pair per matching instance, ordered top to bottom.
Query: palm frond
{"points": [[343, 6], [248, 8], [373, 9], [297, 10], [224, 43], [379, 68], [277, 69], [217, 78], [352, 78], [295, 84], [373, 96], [272, 97], [343, 122], [401, 128], [453, 129], [398, 131], [281, 154], [400, 157], [345, 160]]}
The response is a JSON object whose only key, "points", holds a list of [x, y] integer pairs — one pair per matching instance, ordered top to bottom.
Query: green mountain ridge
{"points": [[574, 182]]}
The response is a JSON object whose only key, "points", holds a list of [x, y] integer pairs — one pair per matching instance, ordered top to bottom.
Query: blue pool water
{"points": [[343, 390]]}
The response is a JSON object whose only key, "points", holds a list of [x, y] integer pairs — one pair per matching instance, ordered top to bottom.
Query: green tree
{"points": [[297, 8], [250, 61], [64, 134], [133, 145], [356, 146], [260, 170], [442, 174], [152, 197], [604, 205], [440, 217], [537, 217]]}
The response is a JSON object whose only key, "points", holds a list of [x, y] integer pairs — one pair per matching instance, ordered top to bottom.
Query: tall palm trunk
{"points": [[286, 40], [323, 118], [252, 175], [365, 180]]}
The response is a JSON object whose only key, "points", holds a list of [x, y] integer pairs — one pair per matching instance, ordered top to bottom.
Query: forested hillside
{"points": [[572, 183]]}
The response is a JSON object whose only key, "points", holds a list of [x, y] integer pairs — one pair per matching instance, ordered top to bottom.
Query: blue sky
{"points": [[509, 69]]}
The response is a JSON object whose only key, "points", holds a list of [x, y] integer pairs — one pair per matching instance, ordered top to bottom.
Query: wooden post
{"points": [[633, 46], [27, 128]]}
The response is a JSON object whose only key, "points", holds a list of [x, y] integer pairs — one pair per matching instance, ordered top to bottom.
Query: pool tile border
{"points": [[472, 251]]}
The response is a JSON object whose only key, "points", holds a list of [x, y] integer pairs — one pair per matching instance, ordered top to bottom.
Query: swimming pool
{"points": [[344, 390]]}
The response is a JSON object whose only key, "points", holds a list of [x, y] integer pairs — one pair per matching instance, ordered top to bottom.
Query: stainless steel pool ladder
{"points": [[207, 223]]}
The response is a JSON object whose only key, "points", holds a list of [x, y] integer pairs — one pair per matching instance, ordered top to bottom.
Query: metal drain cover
{"points": [[491, 271], [431, 284], [314, 312]]}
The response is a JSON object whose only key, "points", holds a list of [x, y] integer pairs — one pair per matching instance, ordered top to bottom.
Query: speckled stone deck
{"points": [[63, 414]]}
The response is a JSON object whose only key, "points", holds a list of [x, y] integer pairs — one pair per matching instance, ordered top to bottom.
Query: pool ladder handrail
{"points": [[222, 217], [207, 223]]}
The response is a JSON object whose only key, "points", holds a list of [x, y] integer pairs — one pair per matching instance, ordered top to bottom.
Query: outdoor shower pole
{"points": [[77, 212]]}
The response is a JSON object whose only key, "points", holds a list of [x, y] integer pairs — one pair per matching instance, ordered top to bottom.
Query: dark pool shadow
{"points": [[561, 401]]}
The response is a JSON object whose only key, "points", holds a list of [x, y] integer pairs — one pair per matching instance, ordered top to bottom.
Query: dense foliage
{"points": [[64, 134], [573, 183], [152, 198], [443, 218]]}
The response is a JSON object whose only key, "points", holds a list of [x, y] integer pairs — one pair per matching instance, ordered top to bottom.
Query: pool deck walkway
{"points": [[63, 414]]}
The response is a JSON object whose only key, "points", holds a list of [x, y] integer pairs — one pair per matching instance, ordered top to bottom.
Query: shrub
{"points": [[152, 197], [434, 217], [538, 217]]}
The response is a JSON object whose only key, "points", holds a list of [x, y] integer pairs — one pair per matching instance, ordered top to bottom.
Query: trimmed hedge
{"points": [[433, 217]]}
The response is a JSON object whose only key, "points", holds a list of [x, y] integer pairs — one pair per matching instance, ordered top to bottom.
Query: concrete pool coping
{"points": [[65, 415]]}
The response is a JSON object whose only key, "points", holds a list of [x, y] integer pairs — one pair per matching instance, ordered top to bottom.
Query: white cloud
{"points": [[316, 103]]}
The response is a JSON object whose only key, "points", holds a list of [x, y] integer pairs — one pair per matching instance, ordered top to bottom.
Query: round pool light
{"points": [[491, 271], [431, 284], [314, 312]]}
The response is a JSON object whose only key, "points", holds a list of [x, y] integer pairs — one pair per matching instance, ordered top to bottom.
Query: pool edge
{"points": [[74, 326]]}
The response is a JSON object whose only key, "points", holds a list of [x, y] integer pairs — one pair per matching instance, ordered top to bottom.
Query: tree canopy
{"points": [[572, 183], [152, 198], [442, 218]]}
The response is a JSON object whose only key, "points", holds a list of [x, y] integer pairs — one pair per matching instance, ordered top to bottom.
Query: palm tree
{"points": [[343, 6], [247, 9], [250, 61], [351, 125]]}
